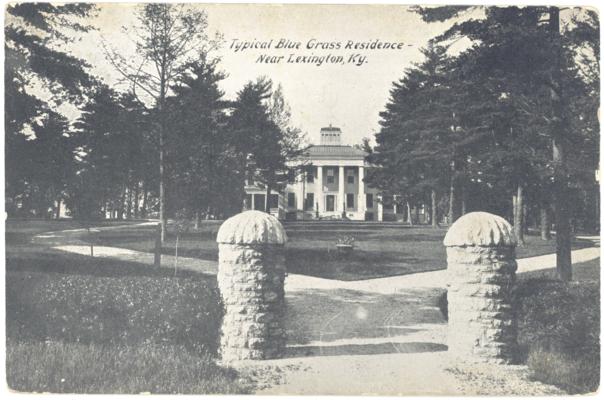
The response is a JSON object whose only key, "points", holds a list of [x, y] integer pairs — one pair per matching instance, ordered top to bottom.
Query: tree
{"points": [[35, 35], [169, 37], [525, 55], [421, 134], [291, 140], [110, 141], [263, 146], [200, 154], [51, 158]]}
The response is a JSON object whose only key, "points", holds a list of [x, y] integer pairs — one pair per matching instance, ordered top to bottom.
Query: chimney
{"points": [[331, 136]]}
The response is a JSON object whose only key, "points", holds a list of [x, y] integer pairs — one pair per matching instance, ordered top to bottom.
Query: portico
{"points": [[332, 185]]}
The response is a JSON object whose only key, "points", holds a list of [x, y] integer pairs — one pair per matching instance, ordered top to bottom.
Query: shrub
{"points": [[121, 310], [559, 332]]}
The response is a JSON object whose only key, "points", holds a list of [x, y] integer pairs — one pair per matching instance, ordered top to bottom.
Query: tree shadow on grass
{"points": [[55, 261], [360, 264]]}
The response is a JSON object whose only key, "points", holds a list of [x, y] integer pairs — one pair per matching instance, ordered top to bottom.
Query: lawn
{"points": [[380, 249], [76, 324], [81, 325]]}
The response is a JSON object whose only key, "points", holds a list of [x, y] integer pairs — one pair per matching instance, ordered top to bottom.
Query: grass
{"points": [[381, 250], [76, 324], [559, 328], [65, 367]]}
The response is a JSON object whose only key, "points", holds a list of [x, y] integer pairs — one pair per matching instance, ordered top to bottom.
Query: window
{"points": [[310, 175], [330, 175], [350, 179], [291, 200], [350, 200], [369, 200], [248, 201], [273, 201], [310, 201]]}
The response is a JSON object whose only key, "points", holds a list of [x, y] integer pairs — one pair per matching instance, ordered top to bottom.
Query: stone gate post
{"points": [[481, 268], [251, 276]]}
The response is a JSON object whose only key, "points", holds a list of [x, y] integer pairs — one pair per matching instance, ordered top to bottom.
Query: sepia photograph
{"points": [[301, 199]]}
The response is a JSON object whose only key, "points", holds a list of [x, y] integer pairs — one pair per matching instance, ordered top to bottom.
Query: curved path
{"points": [[379, 336]]}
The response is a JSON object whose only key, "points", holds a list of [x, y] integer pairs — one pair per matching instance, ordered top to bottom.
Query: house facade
{"points": [[330, 187]]}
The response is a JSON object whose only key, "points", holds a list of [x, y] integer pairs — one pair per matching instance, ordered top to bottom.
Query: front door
{"points": [[259, 202], [330, 202]]}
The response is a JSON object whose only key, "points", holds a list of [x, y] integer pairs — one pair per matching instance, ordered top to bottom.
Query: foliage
{"points": [[35, 36], [489, 114], [259, 125], [200, 155], [345, 240], [116, 310], [559, 328]]}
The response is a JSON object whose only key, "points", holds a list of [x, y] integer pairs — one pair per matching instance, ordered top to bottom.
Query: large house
{"points": [[331, 187]]}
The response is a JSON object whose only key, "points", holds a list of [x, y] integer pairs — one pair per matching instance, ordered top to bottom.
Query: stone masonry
{"points": [[481, 268], [251, 278]]}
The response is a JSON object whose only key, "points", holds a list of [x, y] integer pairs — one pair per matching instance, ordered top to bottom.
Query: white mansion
{"points": [[332, 186]]}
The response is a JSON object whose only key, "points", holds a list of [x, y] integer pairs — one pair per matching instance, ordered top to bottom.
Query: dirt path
{"points": [[379, 336]]}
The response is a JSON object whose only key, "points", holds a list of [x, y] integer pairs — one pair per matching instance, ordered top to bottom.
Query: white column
{"points": [[319, 189], [300, 191], [341, 191], [362, 207], [380, 209]]}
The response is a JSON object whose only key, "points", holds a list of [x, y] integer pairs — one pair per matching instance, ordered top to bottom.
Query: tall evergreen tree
{"points": [[35, 35], [524, 54], [200, 157]]}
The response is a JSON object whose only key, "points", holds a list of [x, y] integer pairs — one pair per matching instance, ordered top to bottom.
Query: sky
{"points": [[348, 96]]}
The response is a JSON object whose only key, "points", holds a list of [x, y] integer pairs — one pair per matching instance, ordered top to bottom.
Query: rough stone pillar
{"points": [[481, 268], [251, 275]]}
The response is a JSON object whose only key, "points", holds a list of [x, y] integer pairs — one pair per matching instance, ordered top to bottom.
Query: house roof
{"points": [[332, 151]]}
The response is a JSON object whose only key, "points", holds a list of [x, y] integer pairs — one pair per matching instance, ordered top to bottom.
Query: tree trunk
{"points": [[560, 128], [162, 190], [136, 196], [464, 198], [268, 202], [129, 204], [144, 207], [58, 209], [120, 209], [453, 209], [518, 215], [409, 216], [434, 216], [525, 217], [163, 218], [197, 219], [562, 220], [546, 225]]}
